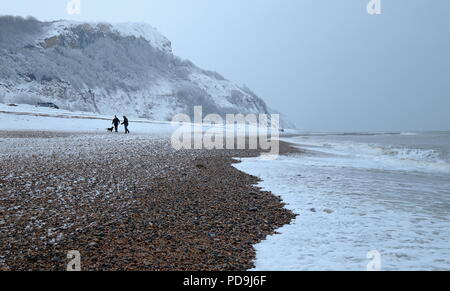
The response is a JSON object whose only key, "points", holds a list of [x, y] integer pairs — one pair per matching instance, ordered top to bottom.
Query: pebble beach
{"points": [[128, 203]]}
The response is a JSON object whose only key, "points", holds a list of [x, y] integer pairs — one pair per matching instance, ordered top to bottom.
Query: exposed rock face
{"points": [[110, 69]]}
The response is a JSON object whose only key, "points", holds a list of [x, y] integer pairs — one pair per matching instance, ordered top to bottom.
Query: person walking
{"points": [[116, 122], [125, 123]]}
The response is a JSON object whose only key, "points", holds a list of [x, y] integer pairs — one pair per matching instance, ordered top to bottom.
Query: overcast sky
{"points": [[327, 64]]}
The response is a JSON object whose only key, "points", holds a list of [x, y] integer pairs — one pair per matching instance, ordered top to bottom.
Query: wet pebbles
{"points": [[128, 203]]}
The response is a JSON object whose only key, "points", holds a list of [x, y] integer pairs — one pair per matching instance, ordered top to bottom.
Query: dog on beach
{"points": [[110, 129]]}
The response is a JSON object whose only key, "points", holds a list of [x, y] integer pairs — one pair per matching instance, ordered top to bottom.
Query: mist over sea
{"points": [[356, 193]]}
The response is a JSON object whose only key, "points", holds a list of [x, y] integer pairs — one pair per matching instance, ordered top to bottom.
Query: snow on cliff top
{"points": [[144, 30]]}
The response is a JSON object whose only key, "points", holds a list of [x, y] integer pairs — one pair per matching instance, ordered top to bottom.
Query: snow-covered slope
{"points": [[138, 30], [109, 69]]}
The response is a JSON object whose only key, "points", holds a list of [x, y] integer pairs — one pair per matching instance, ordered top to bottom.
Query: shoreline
{"points": [[355, 199], [158, 209]]}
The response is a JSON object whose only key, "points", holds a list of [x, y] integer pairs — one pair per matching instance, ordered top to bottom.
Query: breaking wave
{"points": [[364, 155]]}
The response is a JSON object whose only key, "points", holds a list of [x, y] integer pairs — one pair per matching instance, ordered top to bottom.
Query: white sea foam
{"points": [[361, 155], [353, 198]]}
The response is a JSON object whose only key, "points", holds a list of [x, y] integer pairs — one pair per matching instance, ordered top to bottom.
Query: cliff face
{"points": [[109, 69]]}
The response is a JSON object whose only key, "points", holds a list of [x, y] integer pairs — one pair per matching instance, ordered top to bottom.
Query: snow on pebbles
{"points": [[127, 203]]}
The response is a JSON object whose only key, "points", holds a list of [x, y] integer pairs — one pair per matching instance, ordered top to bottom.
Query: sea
{"points": [[360, 197]]}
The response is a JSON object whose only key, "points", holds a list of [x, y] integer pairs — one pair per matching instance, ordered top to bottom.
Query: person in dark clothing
{"points": [[116, 122], [125, 123]]}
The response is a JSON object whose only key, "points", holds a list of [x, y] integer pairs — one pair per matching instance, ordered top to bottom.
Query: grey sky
{"points": [[327, 64]]}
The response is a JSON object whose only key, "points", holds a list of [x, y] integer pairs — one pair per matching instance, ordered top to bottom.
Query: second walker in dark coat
{"points": [[126, 123]]}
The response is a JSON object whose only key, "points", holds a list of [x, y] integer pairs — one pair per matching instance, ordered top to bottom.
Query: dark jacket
{"points": [[116, 121], [125, 121]]}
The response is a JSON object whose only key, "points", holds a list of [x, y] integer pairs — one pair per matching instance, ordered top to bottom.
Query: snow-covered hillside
{"points": [[138, 30], [109, 69]]}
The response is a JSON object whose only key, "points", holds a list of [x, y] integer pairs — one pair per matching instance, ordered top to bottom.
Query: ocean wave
{"points": [[413, 154], [365, 155]]}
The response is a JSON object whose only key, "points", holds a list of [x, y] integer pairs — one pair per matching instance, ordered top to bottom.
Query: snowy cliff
{"points": [[109, 69]]}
